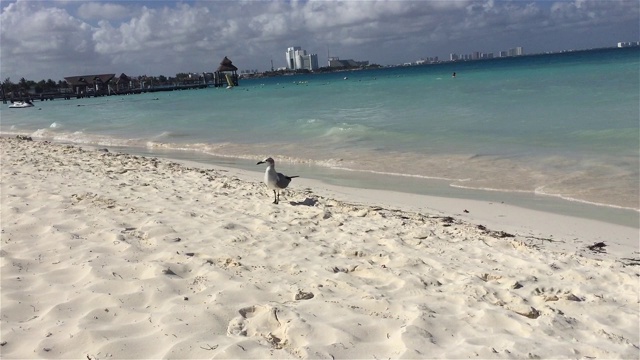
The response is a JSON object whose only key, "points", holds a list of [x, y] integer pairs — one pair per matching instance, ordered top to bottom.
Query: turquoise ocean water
{"points": [[548, 131]]}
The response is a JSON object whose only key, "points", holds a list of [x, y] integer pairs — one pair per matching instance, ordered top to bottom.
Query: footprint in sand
{"points": [[551, 294], [254, 320], [268, 322]]}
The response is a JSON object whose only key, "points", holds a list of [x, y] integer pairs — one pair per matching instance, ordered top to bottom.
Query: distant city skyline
{"points": [[55, 39], [478, 55]]}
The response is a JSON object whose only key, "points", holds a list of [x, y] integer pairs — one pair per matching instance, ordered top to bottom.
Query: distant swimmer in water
{"points": [[454, 75]]}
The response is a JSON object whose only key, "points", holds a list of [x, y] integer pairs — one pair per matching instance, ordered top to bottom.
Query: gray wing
{"points": [[283, 180]]}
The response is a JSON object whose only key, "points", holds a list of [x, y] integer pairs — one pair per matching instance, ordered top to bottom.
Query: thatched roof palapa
{"points": [[226, 65], [123, 77], [89, 79]]}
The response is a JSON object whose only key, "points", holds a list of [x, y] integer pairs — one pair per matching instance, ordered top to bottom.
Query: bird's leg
{"points": [[275, 197]]}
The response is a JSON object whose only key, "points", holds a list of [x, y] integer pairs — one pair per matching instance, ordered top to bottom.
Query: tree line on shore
{"points": [[39, 87]]}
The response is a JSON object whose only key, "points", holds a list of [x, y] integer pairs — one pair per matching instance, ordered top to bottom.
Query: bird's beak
{"points": [[260, 162]]}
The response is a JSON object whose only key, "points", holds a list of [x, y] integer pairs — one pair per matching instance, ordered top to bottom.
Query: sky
{"points": [[53, 39]]}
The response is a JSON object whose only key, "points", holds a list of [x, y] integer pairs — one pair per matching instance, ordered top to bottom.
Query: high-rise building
{"points": [[518, 51], [291, 56], [298, 59]]}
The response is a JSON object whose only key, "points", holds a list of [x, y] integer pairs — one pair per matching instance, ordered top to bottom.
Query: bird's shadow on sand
{"points": [[305, 202]]}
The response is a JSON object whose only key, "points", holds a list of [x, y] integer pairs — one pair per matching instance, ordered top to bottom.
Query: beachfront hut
{"points": [[226, 75], [123, 83], [85, 85]]}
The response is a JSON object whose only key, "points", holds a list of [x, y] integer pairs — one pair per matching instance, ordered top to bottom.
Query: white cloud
{"points": [[103, 11], [593, 12], [38, 39]]}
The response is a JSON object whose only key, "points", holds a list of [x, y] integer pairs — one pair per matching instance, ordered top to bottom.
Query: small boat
{"points": [[21, 104]]}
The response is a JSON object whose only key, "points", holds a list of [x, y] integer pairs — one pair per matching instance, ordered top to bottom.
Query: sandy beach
{"points": [[109, 255]]}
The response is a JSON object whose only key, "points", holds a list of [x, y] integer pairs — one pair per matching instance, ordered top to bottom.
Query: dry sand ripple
{"points": [[109, 255]]}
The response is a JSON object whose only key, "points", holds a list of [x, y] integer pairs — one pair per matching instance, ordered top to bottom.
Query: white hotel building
{"points": [[298, 59]]}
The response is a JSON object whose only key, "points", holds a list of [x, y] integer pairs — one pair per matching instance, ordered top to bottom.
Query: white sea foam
{"points": [[458, 186], [540, 191]]}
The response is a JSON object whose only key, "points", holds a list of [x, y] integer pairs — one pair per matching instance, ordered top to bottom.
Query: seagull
{"points": [[275, 180]]}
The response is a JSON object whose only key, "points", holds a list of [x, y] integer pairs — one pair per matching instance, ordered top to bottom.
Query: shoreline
{"points": [[360, 179], [409, 184], [437, 188], [112, 255]]}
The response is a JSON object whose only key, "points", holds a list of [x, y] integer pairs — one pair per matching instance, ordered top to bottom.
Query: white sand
{"points": [[109, 255]]}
